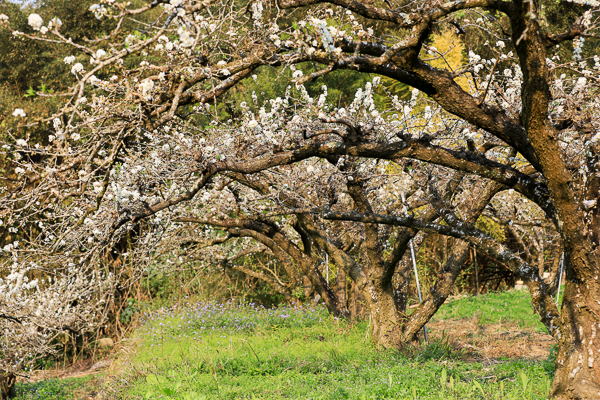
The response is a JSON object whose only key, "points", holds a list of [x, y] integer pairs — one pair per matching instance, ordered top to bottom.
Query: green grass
{"points": [[494, 308], [233, 351], [62, 389]]}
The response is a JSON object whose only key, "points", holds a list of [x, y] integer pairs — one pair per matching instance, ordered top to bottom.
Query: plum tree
{"points": [[142, 148]]}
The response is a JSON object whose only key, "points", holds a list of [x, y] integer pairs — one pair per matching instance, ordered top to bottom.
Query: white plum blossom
{"points": [[98, 10], [257, 10], [586, 20], [35, 21], [55, 22], [185, 37], [69, 60], [77, 68], [94, 80], [146, 87], [19, 112], [427, 113], [589, 203], [43, 311]]}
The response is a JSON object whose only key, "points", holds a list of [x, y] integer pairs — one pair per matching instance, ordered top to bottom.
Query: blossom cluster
{"points": [[37, 307]]}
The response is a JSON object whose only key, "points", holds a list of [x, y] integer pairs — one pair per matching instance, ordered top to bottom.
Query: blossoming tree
{"points": [[141, 150], [36, 313]]}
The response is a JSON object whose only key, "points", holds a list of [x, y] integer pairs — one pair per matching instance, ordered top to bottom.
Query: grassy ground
{"points": [[493, 308], [231, 351], [60, 389]]}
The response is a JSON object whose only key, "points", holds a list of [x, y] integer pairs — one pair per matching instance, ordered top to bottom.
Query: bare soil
{"points": [[494, 341]]}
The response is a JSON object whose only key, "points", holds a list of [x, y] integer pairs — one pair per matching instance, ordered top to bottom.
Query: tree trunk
{"points": [[340, 288], [354, 313], [385, 320], [578, 361], [577, 373], [7, 386]]}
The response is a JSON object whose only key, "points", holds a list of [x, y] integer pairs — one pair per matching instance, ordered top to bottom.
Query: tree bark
{"points": [[386, 323], [577, 373], [7, 386]]}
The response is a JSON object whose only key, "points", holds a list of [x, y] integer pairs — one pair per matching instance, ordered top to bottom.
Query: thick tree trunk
{"points": [[376, 285], [384, 318], [578, 362], [577, 373], [7, 386]]}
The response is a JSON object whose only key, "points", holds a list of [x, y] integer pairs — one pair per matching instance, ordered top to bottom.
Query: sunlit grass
{"points": [[493, 308], [232, 351]]}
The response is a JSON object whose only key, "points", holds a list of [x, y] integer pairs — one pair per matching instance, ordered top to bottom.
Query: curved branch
{"points": [[441, 86], [459, 160], [467, 162], [263, 277], [11, 318]]}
